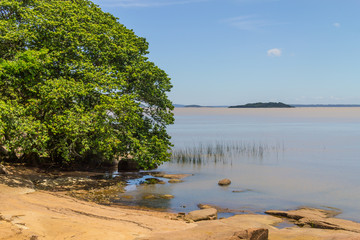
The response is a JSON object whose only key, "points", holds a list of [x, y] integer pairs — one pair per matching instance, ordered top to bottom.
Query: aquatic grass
{"points": [[222, 152]]}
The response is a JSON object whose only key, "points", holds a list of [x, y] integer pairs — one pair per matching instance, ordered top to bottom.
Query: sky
{"points": [[226, 52]]}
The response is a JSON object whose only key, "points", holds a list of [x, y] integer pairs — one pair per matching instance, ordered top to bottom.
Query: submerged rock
{"points": [[171, 176], [153, 181], [175, 181], [224, 182], [241, 191], [127, 196], [150, 196], [167, 196], [222, 210], [203, 214]]}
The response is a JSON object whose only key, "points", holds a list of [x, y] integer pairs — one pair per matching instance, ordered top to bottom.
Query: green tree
{"points": [[76, 84]]}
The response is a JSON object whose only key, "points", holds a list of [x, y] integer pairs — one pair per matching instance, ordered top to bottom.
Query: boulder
{"points": [[128, 165], [224, 182], [203, 214], [252, 234]]}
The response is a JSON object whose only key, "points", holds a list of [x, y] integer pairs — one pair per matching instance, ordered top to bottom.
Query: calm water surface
{"points": [[287, 158]]}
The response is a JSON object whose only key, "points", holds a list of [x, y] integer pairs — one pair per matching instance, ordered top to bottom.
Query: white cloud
{"points": [[145, 3], [249, 22], [337, 25], [274, 52]]}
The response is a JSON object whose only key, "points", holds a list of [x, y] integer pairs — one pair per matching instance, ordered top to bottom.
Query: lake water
{"points": [[275, 158]]}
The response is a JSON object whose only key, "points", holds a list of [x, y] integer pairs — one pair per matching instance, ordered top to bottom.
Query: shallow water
{"points": [[308, 156]]}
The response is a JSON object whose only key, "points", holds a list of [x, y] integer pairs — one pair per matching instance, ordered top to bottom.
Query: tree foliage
{"points": [[76, 84]]}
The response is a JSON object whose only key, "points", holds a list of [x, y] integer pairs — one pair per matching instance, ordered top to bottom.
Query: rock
{"points": [[128, 165], [3, 170], [171, 176], [153, 181], [175, 181], [224, 182], [241, 191], [150, 196], [167, 196], [127, 197], [205, 206], [222, 210], [304, 213], [203, 214], [317, 218], [252, 234]]}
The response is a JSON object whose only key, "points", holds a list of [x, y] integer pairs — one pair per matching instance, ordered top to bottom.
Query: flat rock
{"points": [[172, 176], [175, 181], [224, 182], [167, 196], [221, 209], [304, 213], [203, 214], [317, 218], [225, 229], [252, 234]]}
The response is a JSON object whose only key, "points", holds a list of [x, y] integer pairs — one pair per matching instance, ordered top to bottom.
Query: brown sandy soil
{"points": [[25, 213], [29, 214]]}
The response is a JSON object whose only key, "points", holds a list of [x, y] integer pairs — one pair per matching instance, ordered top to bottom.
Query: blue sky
{"points": [[225, 52]]}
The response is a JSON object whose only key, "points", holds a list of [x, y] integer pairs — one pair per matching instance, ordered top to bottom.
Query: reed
{"points": [[222, 152]]}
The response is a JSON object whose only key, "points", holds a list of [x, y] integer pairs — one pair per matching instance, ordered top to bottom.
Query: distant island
{"points": [[263, 105], [276, 105], [193, 106]]}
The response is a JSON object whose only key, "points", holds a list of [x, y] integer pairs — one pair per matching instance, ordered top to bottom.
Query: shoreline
{"points": [[26, 213], [29, 214]]}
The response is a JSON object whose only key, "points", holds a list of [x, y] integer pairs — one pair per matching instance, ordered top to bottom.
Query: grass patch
{"points": [[222, 152]]}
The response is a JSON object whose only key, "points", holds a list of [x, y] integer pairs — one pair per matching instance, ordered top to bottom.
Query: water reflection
{"points": [[224, 152]]}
